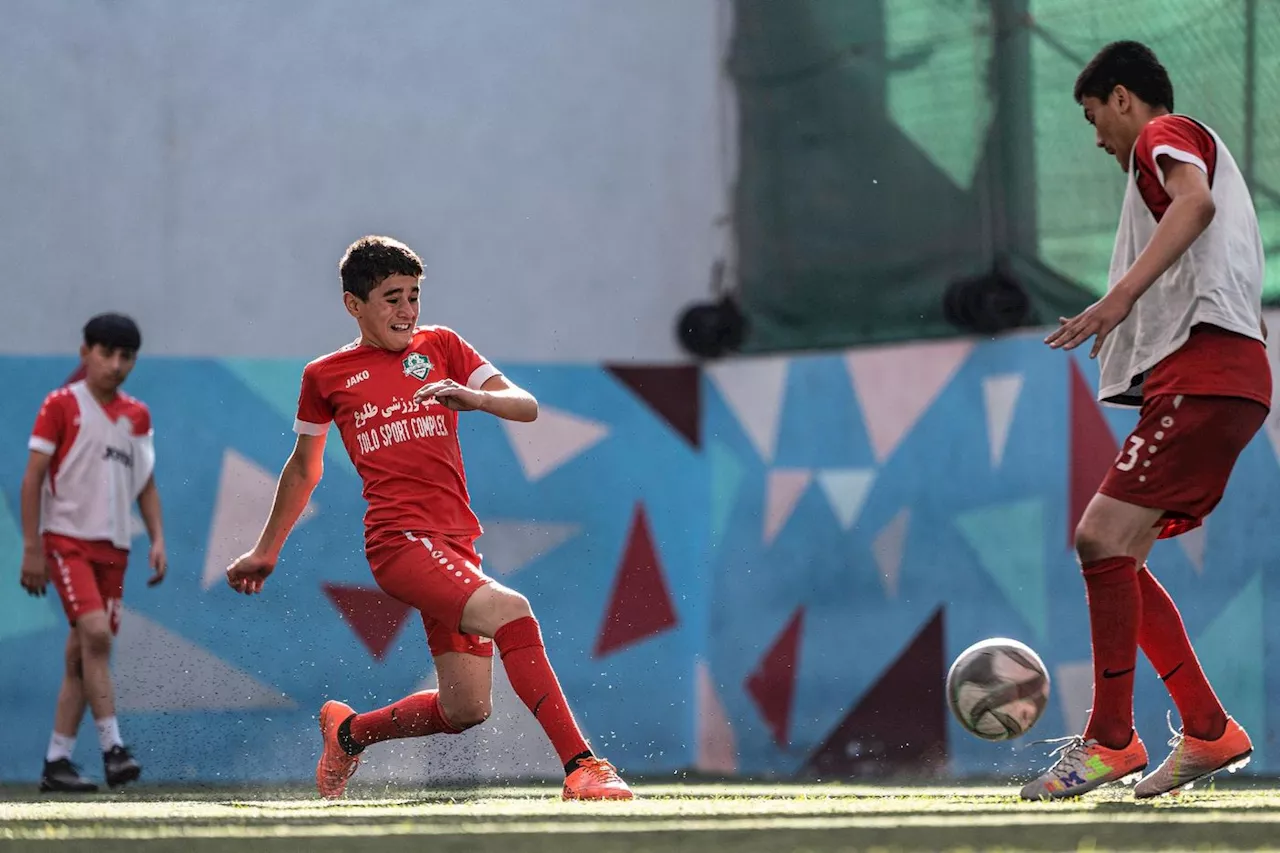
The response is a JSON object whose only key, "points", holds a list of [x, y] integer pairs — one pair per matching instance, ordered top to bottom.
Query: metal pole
{"points": [[1250, 84], [1016, 130]]}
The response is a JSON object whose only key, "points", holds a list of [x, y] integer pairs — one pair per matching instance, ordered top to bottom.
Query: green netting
{"points": [[1205, 46], [889, 147]]}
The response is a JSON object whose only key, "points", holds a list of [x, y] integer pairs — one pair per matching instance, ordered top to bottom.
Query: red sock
{"points": [[1115, 609], [1164, 641], [531, 676], [416, 715]]}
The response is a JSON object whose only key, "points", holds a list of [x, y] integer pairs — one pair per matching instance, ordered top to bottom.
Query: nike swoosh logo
{"points": [[1106, 673]]}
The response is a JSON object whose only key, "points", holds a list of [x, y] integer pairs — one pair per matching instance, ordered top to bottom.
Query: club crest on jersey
{"points": [[417, 365]]}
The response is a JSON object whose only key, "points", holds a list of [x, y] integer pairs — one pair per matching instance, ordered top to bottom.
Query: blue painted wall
{"points": [[989, 543]]}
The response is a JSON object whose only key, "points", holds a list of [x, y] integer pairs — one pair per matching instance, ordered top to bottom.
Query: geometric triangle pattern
{"points": [[276, 383], [896, 385], [752, 388], [672, 392], [1000, 398], [552, 440], [1092, 452], [726, 477], [783, 488], [846, 491], [246, 492], [1009, 542], [1193, 543], [511, 545], [888, 549], [716, 567], [640, 605], [21, 614], [374, 616], [1231, 653], [155, 669], [1073, 682], [772, 685], [900, 723], [717, 746]]}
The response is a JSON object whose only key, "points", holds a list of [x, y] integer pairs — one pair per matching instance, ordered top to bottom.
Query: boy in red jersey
{"points": [[1180, 335], [395, 394], [91, 457]]}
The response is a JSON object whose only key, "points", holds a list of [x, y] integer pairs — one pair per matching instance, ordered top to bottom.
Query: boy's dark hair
{"points": [[1130, 64], [370, 260], [113, 331]]}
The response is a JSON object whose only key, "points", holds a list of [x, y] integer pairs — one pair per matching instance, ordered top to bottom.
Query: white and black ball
{"points": [[998, 689]]}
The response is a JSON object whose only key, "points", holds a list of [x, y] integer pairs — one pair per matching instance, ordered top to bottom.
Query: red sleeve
{"points": [[1179, 138], [465, 364], [314, 411], [141, 417], [51, 424]]}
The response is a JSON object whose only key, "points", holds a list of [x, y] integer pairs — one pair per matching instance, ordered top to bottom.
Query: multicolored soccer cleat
{"points": [[1193, 759], [1084, 765], [335, 766], [595, 779]]}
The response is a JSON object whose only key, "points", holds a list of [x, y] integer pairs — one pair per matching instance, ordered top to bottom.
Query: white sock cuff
{"points": [[108, 733], [60, 746]]}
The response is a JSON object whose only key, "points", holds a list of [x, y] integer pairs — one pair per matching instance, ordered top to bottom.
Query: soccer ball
{"points": [[998, 689]]}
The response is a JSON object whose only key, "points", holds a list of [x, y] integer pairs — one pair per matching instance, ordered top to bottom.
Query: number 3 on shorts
{"points": [[1129, 456]]}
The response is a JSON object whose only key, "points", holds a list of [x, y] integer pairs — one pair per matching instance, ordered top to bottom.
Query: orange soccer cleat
{"points": [[1193, 759], [1083, 765], [335, 766], [595, 779]]}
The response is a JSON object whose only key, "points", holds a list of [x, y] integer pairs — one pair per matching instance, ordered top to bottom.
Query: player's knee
{"points": [[1093, 543], [513, 606], [95, 641], [468, 715], [471, 717]]}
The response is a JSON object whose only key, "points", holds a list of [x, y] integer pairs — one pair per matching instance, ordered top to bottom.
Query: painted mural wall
{"points": [[561, 166], [758, 568]]}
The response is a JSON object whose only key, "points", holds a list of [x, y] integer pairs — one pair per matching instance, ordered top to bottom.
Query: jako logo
{"points": [[358, 378], [121, 456]]}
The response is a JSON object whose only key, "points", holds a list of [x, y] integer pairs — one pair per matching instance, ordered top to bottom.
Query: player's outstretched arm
{"points": [[1190, 211], [497, 396], [298, 480], [152, 518], [35, 573]]}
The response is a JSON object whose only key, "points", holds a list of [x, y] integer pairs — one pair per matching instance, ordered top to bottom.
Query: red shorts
{"points": [[1180, 455], [89, 576], [436, 576]]}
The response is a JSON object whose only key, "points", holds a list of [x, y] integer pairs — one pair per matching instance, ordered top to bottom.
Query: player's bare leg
{"points": [[1110, 539], [503, 614], [94, 631], [465, 688], [463, 700], [60, 774]]}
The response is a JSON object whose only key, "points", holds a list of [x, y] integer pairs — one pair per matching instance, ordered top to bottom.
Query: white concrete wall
{"points": [[202, 165]]}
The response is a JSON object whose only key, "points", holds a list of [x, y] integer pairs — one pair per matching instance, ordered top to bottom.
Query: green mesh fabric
{"points": [[888, 148]]}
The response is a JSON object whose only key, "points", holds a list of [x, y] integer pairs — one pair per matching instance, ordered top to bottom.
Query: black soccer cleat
{"points": [[121, 768], [63, 777]]}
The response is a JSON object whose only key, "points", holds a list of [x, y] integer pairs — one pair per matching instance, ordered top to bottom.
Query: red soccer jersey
{"points": [[1178, 138], [1213, 361], [407, 453], [103, 455]]}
